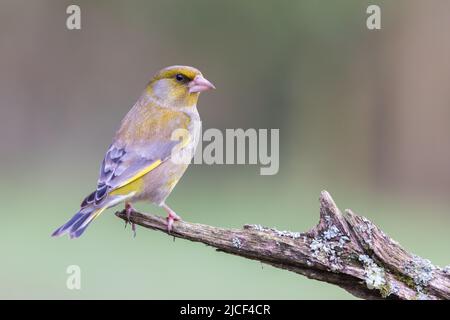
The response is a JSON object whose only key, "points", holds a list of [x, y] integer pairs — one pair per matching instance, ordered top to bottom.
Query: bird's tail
{"points": [[79, 222]]}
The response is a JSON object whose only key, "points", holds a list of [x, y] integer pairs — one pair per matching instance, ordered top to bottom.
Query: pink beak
{"points": [[200, 84]]}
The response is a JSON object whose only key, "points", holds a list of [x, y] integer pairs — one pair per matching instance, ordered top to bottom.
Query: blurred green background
{"points": [[363, 114]]}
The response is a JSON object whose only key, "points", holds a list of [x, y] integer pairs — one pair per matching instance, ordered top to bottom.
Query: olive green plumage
{"points": [[148, 154]]}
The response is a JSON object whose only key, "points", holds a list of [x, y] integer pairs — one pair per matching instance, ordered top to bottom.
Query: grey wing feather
{"points": [[121, 163]]}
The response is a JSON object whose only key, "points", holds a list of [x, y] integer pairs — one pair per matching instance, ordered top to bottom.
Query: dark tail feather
{"points": [[78, 223]]}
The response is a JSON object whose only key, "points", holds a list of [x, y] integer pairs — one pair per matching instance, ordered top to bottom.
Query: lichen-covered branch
{"points": [[346, 250]]}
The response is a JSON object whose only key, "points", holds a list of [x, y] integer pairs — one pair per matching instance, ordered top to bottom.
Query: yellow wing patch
{"points": [[134, 184], [99, 212]]}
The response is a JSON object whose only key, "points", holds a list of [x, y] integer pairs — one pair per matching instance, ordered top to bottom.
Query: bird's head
{"points": [[178, 86]]}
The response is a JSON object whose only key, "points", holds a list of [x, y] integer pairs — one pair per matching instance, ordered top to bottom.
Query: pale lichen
{"points": [[257, 227], [366, 227], [331, 232], [279, 233], [285, 233], [343, 240], [237, 243], [327, 247], [446, 269], [421, 271], [374, 275], [393, 288], [422, 296]]}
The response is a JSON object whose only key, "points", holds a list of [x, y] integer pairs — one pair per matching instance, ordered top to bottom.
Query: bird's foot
{"points": [[128, 210], [171, 217]]}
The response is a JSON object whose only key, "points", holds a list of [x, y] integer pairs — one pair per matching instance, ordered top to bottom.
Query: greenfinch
{"points": [[139, 164]]}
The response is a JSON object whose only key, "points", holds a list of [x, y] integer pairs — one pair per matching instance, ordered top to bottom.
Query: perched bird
{"points": [[139, 164]]}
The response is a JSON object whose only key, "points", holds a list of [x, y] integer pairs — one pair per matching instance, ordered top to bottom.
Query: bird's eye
{"points": [[180, 77]]}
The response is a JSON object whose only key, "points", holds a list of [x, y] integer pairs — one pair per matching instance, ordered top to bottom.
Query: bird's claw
{"points": [[128, 209], [172, 216]]}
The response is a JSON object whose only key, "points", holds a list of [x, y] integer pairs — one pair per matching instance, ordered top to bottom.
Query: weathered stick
{"points": [[345, 250]]}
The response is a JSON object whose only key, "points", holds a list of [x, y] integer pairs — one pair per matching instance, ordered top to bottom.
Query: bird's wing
{"points": [[122, 165]]}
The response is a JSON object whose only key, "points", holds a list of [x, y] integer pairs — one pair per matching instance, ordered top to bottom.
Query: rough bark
{"points": [[346, 250]]}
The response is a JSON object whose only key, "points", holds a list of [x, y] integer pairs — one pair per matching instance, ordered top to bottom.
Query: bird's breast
{"points": [[154, 123]]}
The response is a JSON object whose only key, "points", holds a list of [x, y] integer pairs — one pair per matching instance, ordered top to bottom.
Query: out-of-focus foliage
{"points": [[361, 113]]}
